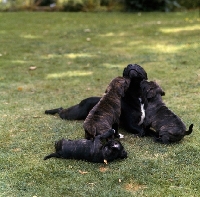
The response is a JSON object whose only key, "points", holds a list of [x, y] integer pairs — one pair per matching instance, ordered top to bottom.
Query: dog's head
{"points": [[135, 71], [119, 85], [150, 89], [112, 150]]}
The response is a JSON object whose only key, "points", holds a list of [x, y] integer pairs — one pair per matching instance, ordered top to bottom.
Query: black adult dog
{"points": [[131, 112], [105, 114], [168, 126], [90, 150]]}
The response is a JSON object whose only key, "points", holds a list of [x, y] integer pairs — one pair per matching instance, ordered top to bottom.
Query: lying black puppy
{"points": [[131, 109], [168, 126], [90, 150]]}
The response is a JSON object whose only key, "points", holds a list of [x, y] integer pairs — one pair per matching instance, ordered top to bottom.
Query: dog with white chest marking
{"points": [[131, 106], [168, 126]]}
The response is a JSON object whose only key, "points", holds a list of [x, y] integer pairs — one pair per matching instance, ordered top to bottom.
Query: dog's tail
{"points": [[190, 130], [52, 155]]}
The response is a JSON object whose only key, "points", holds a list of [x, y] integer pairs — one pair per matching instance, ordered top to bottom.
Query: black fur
{"points": [[130, 106], [168, 126], [90, 150]]}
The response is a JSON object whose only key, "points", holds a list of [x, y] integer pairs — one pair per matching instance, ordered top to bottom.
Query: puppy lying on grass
{"points": [[106, 113], [168, 126], [90, 150]]}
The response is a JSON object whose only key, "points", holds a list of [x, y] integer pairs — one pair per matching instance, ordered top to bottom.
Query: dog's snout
{"points": [[162, 93], [116, 145], [123, 154]]}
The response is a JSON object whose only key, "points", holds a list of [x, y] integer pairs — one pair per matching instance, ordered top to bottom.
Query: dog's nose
{"points": [[124, 154]]}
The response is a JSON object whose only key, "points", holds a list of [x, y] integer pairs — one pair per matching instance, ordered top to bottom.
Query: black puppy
{"points": [[131, 106], [132, 111], [168, 126], [90, 150]]}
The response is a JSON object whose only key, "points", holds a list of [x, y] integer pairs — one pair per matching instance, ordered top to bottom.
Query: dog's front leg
{"points": [[115, 126], [146, 128], [141, 132], [150, 132], [107, 134]]}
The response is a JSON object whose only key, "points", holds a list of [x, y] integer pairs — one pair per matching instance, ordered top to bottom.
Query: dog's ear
{"points": [[160, 91], [151, 93]]}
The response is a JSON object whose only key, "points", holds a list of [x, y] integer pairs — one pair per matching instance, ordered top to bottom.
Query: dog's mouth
{"points": [[135, 73], [115, 145], [124, 155]]}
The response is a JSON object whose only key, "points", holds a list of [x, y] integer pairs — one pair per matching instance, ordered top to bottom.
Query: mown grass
{"points": [[70, 68]]}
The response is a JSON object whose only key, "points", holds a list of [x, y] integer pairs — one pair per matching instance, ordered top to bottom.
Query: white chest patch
{"points": [[143, 112]]}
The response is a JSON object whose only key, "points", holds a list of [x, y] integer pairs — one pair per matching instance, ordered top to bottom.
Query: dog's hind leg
{"points": [[53, 111], [79, 111], [76, 112], [115, 126], [151, 133], [164, 139]]}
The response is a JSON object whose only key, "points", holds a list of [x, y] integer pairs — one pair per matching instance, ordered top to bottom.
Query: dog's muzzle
{"points": [[135, 71], [123, 154]]}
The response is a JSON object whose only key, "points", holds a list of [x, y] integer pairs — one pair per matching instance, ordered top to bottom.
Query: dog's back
{"points": [[107, 111], [102, 116], [164, 120], [168, 125], [73, 149], [90, 150]]}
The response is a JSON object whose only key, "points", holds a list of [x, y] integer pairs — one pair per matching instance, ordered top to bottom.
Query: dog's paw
{"points": [[113, 130], [121, 136], [135, 136]]}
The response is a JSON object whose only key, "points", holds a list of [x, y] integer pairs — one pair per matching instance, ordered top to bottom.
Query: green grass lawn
{"points": [[76, 55]]}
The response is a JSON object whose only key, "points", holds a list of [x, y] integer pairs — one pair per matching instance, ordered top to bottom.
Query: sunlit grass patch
{"points": [[180, 29], [29, 36], [70, 55], [68, 74], [134, 187]]}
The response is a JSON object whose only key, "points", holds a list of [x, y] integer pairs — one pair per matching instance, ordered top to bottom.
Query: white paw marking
{"points": [[113, 130], [121, 136]]}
